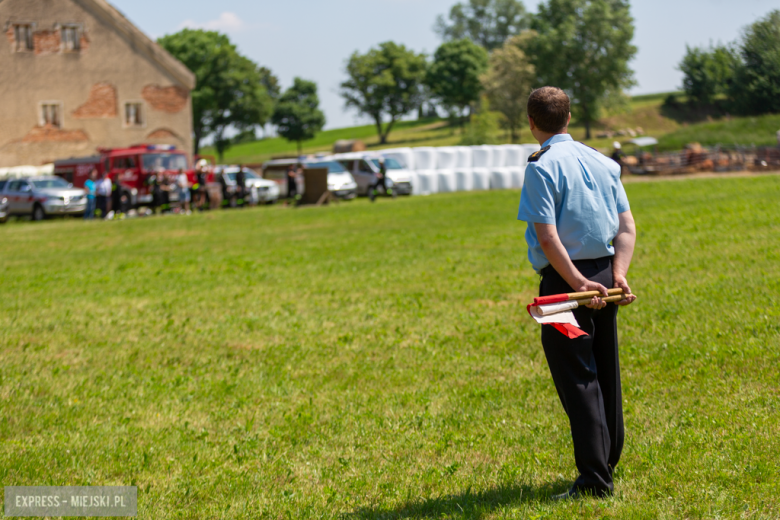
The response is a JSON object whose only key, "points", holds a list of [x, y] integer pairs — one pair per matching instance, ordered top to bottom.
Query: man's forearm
{"points": [[624, 243]]}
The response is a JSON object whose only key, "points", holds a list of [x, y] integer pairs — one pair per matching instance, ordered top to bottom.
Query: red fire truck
{"points": [[133, 166]]}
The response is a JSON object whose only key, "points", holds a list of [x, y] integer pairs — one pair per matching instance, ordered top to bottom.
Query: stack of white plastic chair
{"points": [[405, 157], [446, 159], [516, 159], [481, 161], [425, 166], [500, 178], [464, 180]]}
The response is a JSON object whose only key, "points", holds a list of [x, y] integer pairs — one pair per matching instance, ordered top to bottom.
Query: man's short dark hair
{"points": [[549, 108]]}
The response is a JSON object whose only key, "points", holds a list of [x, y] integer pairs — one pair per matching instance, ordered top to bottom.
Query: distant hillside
{"points": [[673, 127], [742, 131]]}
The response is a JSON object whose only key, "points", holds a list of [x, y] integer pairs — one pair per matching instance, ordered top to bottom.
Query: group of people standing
{"points": [[103, 196], [106, 199]]}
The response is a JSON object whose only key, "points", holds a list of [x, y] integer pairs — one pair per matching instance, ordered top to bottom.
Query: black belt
{"points": [[579, 264]]}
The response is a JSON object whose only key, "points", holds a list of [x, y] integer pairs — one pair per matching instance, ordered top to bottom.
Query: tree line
{"points": [[493, 54], [742, 77], [234, 92]]}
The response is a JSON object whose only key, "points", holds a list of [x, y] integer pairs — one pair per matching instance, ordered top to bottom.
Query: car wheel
{"points": [[38, 213], [3, 220]]}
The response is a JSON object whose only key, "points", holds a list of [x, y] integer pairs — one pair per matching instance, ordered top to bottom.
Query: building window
{"points": [[23, 37], [71, 38], [51, 114], [134, 114]]}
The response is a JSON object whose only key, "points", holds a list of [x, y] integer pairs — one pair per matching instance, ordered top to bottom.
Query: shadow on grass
{"points": [[469, 504]]}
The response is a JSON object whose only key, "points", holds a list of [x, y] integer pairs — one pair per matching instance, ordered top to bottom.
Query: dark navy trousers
{"points": [[586, 372]]}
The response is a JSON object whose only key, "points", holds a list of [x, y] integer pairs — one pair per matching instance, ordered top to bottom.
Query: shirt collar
{"points": [[557, 138]]}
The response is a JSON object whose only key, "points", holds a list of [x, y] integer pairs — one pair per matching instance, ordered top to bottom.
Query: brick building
{"points": [[77, 75]]}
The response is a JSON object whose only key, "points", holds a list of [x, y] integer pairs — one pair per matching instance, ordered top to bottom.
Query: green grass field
{"points": [[377, 362]]}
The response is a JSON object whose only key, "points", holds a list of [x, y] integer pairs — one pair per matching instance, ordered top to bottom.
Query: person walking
{"points": [[617, 155], [380, 181], [90, 186], [103, 192], [580, 237]]}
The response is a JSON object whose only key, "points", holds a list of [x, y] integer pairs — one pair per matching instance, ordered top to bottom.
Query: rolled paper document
{"points": [[553, 308]]}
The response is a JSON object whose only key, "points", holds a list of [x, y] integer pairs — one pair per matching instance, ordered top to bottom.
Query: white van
{"points": [[365, 167]]}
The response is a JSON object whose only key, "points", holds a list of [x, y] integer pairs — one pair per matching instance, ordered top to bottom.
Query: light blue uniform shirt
{"points": [[579, 190]]}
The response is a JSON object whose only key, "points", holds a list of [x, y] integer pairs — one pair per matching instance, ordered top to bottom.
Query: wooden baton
{"points": [[591, 294], [607, 299]]}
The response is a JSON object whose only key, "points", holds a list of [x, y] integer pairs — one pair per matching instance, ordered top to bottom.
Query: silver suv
{"points": [[40, 197]]}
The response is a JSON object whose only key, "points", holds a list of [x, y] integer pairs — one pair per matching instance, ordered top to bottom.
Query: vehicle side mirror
{"points": [[70, 185], [26, 187]]}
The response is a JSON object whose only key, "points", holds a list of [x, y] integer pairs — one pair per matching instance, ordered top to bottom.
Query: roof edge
{"points": [[145, 44]]}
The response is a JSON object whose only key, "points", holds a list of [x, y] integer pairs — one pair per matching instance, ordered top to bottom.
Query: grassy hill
{"points": [[674, 126], [743, 131], [377, 362]]}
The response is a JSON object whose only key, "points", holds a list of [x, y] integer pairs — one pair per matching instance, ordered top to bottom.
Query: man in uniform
{"points": [[581, 237]]}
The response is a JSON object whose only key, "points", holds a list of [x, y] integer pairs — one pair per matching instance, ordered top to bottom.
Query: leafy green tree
{"points": [[488, 23], [584, 47], [708, 73], [453, 77], [509, 81], [270, 82], [384, 83], [756, 88], [229, 90], [297, 115], [483, 127]]}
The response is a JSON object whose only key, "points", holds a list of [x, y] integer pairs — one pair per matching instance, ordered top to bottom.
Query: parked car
{"points": [[365, 169], [396, 172], [267, 192], [40, 197], [3, 203]]}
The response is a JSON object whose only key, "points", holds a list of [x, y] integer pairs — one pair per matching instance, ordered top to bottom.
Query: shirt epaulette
{"points": [[583, 144], [536, 155]]}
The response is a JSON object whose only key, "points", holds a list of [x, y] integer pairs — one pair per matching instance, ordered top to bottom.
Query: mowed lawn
{"points": [[376, 361]]}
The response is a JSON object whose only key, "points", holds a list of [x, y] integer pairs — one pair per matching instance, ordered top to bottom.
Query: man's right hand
{"points": [[622, 283], [595, 302]]}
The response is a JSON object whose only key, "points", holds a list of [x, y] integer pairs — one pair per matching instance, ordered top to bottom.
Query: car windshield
{"points": [[165, 161], [390, 163], [332, 166], [248, 174], [54, 182], [2, 184]]}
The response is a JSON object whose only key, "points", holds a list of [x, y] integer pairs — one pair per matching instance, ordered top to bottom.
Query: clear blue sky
{"points": [[313, 38]]}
